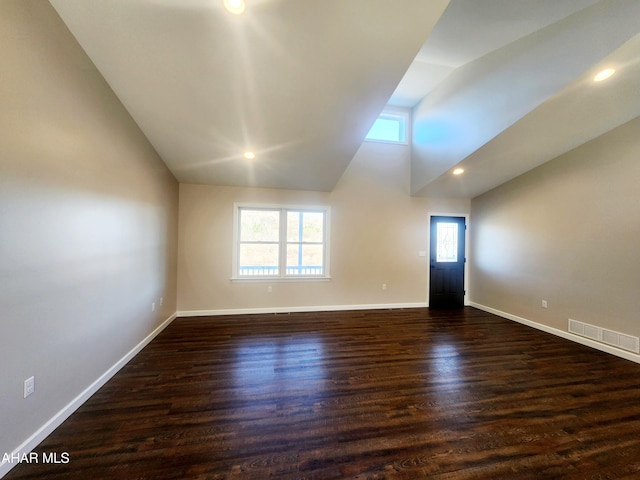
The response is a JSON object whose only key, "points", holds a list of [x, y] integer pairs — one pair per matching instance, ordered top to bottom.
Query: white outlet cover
{"points": [[29, 386]]}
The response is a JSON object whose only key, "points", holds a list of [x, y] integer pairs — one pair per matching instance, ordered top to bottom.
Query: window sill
{"points": [[388, 142], [278, 279]]}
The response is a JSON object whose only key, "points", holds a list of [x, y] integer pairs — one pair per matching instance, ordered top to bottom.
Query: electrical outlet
{"points": [[384, 286], [269, 289], [161, 301], [544, 304], [153, 306], [29, 386]]}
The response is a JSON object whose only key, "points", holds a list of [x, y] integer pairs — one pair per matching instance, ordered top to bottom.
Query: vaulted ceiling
{"points": [[495, 86]]}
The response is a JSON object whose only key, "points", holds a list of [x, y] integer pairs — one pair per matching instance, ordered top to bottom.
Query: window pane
{"points": [[389, 128], [385, 129], [294, 222], [259, 225], [305, 227], [447, 242], [258, 259], [305, 259]]}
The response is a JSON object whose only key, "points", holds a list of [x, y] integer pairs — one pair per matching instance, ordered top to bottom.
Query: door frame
{"points": [[466, 251]]}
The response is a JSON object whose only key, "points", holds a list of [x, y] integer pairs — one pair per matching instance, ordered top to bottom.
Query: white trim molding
{"points": [[282, 242], [321, 308], [633, 357], [45, 430]]}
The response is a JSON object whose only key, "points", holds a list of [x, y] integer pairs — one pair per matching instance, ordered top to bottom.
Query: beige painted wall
{"points": [[88, 222], [377, 230], [567, 232]]}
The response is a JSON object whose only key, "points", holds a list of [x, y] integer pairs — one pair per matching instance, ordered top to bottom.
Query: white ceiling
{"points": [[470, 29], [300, 82], [496, 86], [528, 100]]}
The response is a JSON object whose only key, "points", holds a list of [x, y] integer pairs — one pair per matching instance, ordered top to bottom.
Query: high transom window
{"points": [[390, 127], [281, 242]]}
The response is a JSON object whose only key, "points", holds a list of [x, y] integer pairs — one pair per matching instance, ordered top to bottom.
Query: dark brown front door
{"points": [[446, 279]]}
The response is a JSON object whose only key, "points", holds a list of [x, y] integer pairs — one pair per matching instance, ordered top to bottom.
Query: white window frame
{"points": [[402, 115], [282, 276]]}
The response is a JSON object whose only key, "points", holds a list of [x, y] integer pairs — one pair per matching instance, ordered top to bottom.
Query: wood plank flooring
{"points": [[381, 394]]}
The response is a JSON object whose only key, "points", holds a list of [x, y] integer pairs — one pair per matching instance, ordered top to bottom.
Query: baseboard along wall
{"points": [[317, 308], [560, 333], [45, 430]]}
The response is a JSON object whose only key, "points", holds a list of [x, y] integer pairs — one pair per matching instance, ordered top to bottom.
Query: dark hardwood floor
{"points": [[385, 394]]}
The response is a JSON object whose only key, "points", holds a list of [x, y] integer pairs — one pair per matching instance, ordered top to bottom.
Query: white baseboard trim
{"points": [[317, 308], [633, 357], [34, 440]]}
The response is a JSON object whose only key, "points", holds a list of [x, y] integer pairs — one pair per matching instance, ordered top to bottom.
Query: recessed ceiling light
{"points": [[234, 6], [604, 74], [249, 155], [458, 171]]}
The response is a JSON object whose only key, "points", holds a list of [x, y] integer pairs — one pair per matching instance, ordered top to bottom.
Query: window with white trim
{"points": [[390, 127], [280, 242]]}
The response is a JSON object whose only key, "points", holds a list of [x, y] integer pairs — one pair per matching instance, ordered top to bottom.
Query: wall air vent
{"points": [[603, 335]]}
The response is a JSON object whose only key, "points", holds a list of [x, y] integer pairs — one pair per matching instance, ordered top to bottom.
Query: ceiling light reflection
{"points": [[604, 74]]}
